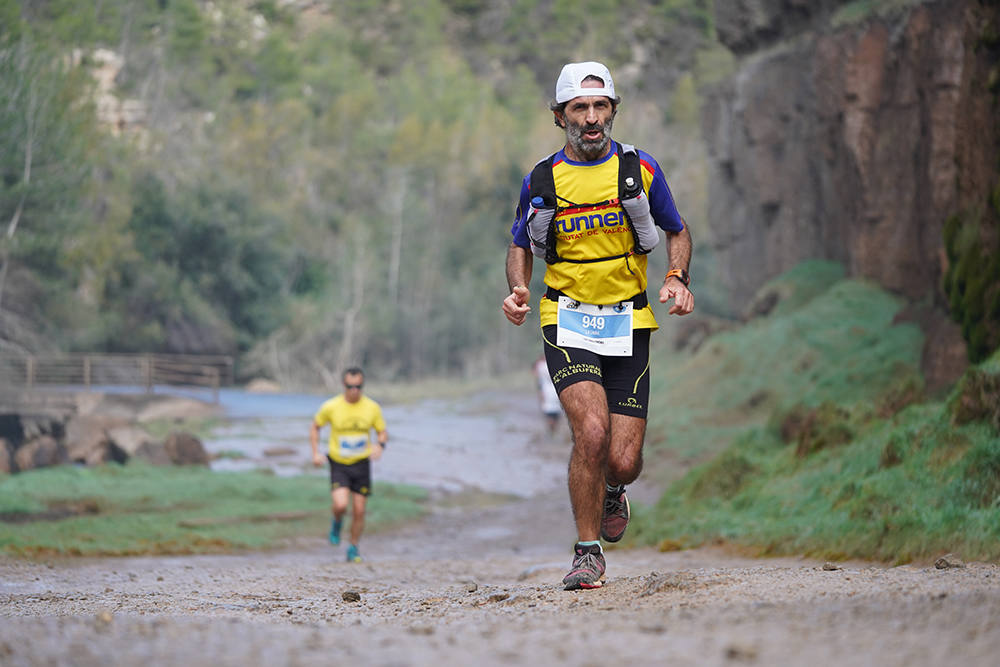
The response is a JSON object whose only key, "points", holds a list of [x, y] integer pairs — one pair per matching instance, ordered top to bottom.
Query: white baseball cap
{"points": [[571, 79]]}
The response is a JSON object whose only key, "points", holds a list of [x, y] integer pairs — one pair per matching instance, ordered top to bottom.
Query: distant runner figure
{"points": [[592, 211], [548, 398], [351, 418]]}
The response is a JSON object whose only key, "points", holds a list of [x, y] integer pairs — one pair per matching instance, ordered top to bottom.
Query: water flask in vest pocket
{"points": [[636, 205], [539, 218]]}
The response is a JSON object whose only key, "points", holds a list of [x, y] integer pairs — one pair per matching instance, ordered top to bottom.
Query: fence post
{"points": [[147, 368], [86, 371], [29, 372]]}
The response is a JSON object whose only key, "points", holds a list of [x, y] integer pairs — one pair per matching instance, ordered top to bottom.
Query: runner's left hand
{"points": [[674, 289]]}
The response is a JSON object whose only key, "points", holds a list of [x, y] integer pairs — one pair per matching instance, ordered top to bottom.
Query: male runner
{"points": [[595, 317], [351, 418]]}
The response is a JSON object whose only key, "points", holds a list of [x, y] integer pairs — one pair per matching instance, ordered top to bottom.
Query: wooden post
{"points": [[147, 369], [86, 371], [29, 372]]}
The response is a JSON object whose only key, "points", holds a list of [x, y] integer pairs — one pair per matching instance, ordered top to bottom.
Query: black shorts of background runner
{"points": [[625, 379], [355, 476]]}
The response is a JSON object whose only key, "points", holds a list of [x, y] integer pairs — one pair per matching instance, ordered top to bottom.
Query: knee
{"points": [[625, 468]]}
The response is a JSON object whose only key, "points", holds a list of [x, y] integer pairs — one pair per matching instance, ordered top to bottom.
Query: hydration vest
{"points": [[543, 208]]}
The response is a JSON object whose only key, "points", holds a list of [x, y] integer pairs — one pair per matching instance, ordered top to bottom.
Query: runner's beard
{"points": [[586, 149]]}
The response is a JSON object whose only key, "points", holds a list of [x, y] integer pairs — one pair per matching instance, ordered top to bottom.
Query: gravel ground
{"points": [[478, 583], [460, 589]]}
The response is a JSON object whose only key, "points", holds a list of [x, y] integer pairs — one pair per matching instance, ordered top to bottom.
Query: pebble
{"points": [[948, 561]]}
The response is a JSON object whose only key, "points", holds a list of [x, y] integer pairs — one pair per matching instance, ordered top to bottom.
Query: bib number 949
{"points": [[592, 322]]}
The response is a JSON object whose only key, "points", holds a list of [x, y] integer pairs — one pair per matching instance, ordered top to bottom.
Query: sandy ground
{"points": [[478, 583]]}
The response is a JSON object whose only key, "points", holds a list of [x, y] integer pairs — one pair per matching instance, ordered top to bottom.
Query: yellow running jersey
{"points": [[598, 231], [350, 427]]}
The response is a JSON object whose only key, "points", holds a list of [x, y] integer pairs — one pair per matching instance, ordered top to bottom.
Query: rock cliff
{"points": [[851, 137], [851, 143]]}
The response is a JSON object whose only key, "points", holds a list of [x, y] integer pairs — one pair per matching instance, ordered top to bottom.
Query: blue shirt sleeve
{"points": [[661, 201], [518, 229]]}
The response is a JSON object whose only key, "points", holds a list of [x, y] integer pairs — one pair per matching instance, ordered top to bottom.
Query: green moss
{"points": [[972, 281]]}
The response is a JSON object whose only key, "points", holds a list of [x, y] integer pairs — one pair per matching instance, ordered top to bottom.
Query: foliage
{"points": [[306, 189], [972, 279], [138, 509]]}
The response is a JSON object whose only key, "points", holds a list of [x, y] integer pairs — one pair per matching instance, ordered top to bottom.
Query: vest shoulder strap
{"points": [[629, 171], [543, 183]]}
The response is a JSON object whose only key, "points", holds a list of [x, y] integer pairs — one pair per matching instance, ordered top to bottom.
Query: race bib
{"points": [[605, 330], [352, 445]]}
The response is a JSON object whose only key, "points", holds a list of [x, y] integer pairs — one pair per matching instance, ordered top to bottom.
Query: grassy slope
{"points": [[827, 339], [837, 464], [138, 509]]}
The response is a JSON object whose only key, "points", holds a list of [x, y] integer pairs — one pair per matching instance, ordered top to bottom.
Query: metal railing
{"points": [[137, 370]]}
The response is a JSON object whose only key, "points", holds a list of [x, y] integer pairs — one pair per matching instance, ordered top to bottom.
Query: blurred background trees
{"points": [[301, 184]]}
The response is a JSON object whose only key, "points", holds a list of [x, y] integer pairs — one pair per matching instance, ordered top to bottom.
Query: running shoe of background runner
{"points": [[616, 514], [335, 532], [353, 555], [588, 568]]}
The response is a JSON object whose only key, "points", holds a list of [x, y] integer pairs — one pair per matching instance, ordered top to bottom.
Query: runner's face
{"points": [[588, 121], [352, 387]]}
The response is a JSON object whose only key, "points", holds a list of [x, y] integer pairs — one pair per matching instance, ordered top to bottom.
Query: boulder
{"points": [[263, 386], [176, 407], [87, 440], [136, 443], [185, 449], [39, 452]]}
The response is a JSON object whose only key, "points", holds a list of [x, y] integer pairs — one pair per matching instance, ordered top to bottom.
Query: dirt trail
{"points": [[479, 584], [464, 588]]}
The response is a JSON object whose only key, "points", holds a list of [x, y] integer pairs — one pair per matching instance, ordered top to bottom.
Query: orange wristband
{"points": [[680, 274]]}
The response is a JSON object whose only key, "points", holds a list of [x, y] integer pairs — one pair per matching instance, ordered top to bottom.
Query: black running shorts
{"points": [[625, 379], [355, 476]]}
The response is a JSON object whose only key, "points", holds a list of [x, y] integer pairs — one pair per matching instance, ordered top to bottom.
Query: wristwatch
{"points": [[680, 274]]}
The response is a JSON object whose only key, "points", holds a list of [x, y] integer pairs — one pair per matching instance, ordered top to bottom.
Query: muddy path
{"points": [[477, 583]]}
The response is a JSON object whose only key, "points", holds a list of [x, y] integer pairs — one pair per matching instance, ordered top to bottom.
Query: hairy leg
{"points": [[586, 407], [625, 449], [339, 498], [357, 516]]}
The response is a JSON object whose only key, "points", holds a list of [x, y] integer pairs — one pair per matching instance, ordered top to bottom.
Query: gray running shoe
{"points": [[616, 513], [588, 568]]}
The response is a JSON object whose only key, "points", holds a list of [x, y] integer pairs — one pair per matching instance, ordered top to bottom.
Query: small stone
{"points": [[948, 561], [830, 567], [471, 586], [351, 596], [499, 597], [741, 653]]}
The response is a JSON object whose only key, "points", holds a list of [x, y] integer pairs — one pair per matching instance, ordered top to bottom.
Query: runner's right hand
{"points": [[515, 306], [317, 459]]}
